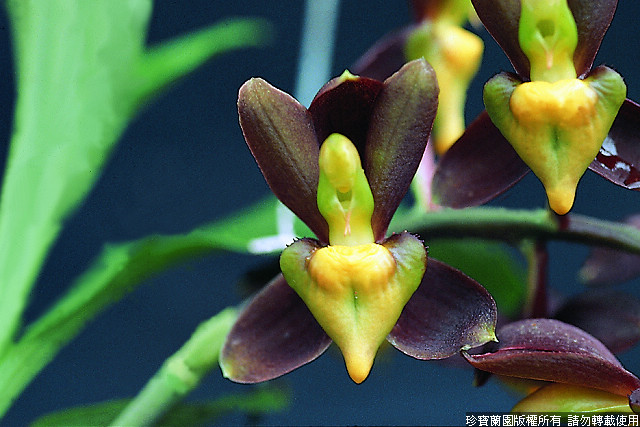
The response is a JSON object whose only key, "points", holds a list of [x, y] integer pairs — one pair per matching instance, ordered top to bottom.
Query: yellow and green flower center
{"points": [[548, 35], [565, 103], [556, 122], [344, 196], [364, 268], [355, 288]]}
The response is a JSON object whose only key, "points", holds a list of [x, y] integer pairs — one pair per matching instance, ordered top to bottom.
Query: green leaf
{"points": [[82, 72], [491, 264], [120, 267], [114, 273], [180, 373], [260, 401], [96, 414]]}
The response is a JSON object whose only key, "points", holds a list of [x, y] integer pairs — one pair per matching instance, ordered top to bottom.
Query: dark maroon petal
{"points": [[501, 18], [593, 18], [385, 57], [344, 105], [279, 132], [398, 134], [619, 158], [478, 167], [608, 266], [448, 312], [611, 317], [274, 334], [550, 350]]}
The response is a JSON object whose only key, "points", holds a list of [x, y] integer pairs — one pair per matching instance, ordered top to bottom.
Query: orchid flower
{"points": [[556, 114], [343, 166]]}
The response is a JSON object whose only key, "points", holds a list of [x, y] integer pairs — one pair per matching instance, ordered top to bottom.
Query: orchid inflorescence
{"points": [[344, 164]]}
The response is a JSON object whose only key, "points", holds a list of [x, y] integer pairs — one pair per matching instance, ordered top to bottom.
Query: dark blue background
{"points": [[183, 162]]}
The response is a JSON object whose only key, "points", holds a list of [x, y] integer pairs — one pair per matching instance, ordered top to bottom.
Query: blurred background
{"points": [[183, 162]]}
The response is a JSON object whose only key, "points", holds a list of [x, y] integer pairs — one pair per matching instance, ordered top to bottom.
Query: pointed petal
{"points": [[501, 18], [593, 18], [385, 57], [344, 105], [279, 132], [398, 134], [619, 158], [478, 167], [609, 266], [506, 280], [447, 313], [612, 317], [274, 334], [550, 350], [569, 398]]}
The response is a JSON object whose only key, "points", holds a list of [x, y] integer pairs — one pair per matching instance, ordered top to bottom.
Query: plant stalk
{"points": [[180, 373]]}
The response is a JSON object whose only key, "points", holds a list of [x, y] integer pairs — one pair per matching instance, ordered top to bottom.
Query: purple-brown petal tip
{"points": [[501, 18], [593, 18], [344, 105], [400, 126], [280, 134], [478, 167], [449, 312], [273, 335], [550, 350]]}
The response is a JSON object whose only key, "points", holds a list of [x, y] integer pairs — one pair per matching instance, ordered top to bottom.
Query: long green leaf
{"points": [[82, 72], [115, 272]]}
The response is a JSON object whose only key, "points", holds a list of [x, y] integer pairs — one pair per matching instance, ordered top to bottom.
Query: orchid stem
{"points": [[514, 226], [536, 304], [180, 373]]}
